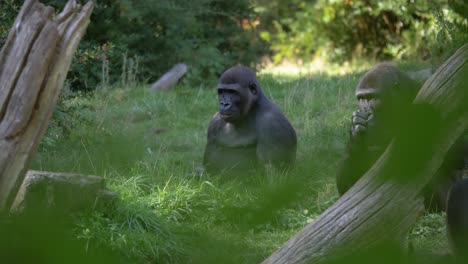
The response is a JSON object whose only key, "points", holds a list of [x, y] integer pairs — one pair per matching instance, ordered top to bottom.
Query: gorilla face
{"points": [[384, 86], [237, 96], [368, 99], [230, 104]]}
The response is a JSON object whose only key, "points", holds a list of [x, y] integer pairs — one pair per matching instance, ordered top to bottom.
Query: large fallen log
{"points": [[33, 65], [170, 78], [385, 203]]}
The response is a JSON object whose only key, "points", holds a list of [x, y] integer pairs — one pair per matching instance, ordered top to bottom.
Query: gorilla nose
{"points": [[223, 106]]}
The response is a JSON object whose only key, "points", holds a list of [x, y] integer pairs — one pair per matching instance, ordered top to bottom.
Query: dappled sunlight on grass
{"points": [[317, 66], [147, 146]]}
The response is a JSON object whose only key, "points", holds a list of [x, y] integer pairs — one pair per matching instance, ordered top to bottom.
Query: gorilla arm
{"points": [[276, 140], [229, 148], [210, 149], [360, 153], [358, 159], [451, 171]]}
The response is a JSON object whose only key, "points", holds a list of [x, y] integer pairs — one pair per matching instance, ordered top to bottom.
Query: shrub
{"points": [[8, 12], [345, 30], [451, 30], [208, 35]]}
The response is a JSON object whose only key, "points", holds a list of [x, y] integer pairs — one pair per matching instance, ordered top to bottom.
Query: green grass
{"points": [[147, 146]]}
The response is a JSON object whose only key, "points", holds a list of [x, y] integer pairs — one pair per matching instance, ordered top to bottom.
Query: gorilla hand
{"points": [[359, 123]]}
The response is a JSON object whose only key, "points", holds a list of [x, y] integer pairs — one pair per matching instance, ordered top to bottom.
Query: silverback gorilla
{"points": [[384, 95], [249, 131]]}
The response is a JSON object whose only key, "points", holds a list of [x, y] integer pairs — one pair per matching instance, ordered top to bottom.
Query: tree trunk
{"points": [[33, 65], [385, 202]]}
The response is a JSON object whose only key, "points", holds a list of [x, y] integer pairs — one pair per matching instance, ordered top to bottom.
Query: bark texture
{"points": [[33, 65], [170, 78], [386, 201]]}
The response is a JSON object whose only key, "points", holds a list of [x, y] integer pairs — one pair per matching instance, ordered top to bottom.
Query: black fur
{"points": [[385, 96], [248, 130], [457, 219]]}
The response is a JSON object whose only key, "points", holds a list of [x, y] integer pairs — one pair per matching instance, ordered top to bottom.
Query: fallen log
{"points": [[34, 62], [170, 78], [384, 204]]}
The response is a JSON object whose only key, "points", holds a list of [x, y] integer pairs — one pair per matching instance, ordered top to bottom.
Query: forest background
{"points": [[148, 37], [309, 55]]}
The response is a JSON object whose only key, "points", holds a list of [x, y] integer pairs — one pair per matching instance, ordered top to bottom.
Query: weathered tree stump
{"points": [[33, 65], [70, 192], [385, 202]]}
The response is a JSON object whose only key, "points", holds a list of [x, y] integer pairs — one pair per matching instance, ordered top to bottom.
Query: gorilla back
{"points": [[248, 131], [457, 219]]}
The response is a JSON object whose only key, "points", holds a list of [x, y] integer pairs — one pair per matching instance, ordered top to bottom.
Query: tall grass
{"points": [[147, 146]]}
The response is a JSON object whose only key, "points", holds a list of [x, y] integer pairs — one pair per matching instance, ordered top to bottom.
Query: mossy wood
{"points": [[34, 62], [385, 203]]}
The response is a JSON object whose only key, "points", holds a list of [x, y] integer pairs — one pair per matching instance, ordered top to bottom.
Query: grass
{"points": [[147, 146]]}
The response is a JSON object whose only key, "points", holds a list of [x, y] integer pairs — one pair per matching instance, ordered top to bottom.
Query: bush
{"points": [[8, 12], [379, 30], [451, 30], [153, 35]]}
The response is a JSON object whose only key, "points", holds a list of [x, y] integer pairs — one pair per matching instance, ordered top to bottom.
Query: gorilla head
{"points": [[385, 86], [238, 92]]}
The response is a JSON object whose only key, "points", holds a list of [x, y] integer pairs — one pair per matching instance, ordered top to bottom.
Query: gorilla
{"points": [[385, 95], [249, 131], [457, 219]]}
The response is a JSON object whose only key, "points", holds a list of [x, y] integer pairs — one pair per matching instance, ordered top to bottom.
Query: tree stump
{"points": [[33, 65], [69, 192], [385, 202]]}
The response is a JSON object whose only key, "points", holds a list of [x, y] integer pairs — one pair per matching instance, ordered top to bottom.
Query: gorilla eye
{"points": [[253, 88], [227, 91]]}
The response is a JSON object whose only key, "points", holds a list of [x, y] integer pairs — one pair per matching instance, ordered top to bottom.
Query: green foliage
{"points": [[8, 12], [348, 29], [451, 30], [205, 34], [208, 35], [141, 40], [70, 114], [147, 146], [135, 229], [429, 232], [48, 238]]}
